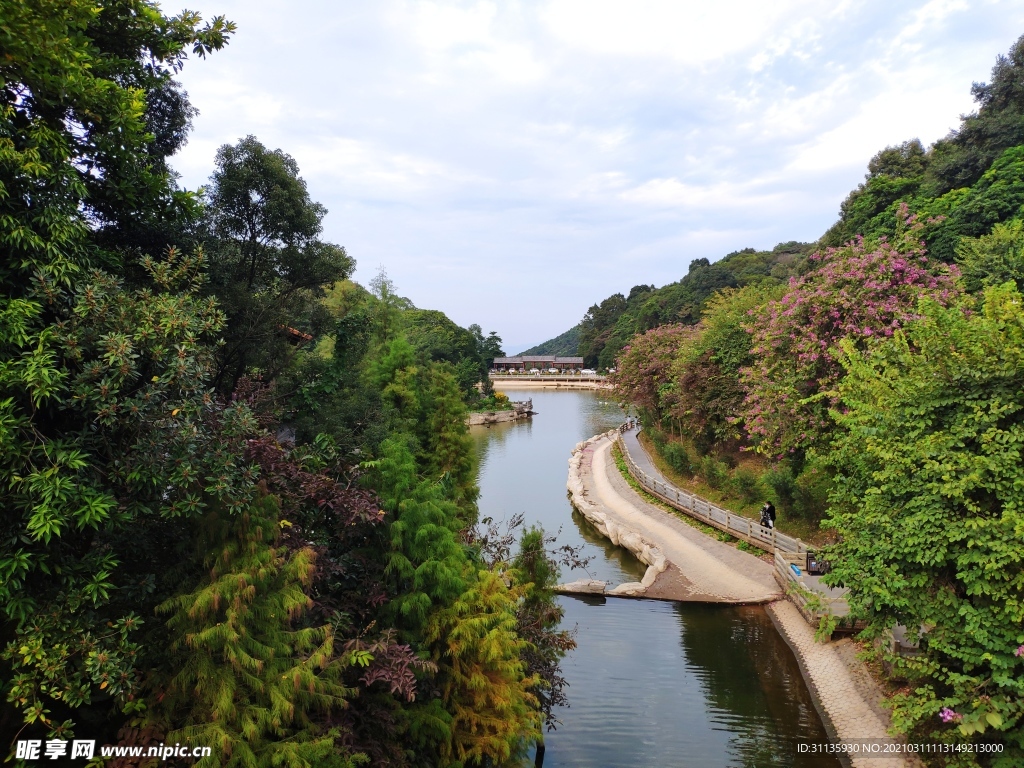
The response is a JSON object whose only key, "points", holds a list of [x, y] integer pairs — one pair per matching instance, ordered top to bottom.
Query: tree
{"points": [[85, 124], [960, 159], [894, 174], [994, 258], [267, 265], [856, 292], [597, 325], [642, 374], [707, 394], [109, 426], [449, 451], [927, 505], [243, 675]]}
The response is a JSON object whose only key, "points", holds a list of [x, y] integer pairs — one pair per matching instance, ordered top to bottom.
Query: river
{"points": [[651, 683]]}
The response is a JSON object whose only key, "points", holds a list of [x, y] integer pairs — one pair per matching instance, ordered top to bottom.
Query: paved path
{"points": [[703, 568], [707, 569], [842, 687]]}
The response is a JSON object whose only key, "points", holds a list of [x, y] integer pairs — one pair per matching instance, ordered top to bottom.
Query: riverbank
{"points": [[546, 382], [683, 564], [686, 565]]}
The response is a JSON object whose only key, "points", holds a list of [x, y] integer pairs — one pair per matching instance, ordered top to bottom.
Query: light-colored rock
{"points": [[520, 410], [620, 535], [583, 587]]}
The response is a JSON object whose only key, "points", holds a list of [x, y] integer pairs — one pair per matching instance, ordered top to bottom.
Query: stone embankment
{"points": [[547, 382], [518, 412], [612, 529], [682, 563], [685, 564]]}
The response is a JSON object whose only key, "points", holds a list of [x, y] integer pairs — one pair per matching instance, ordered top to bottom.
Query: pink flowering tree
{"points": [[854, 292], [643, 375]]}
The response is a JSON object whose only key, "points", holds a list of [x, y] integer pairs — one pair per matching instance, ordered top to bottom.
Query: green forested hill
{"points": [[607, 327], [563, 345]]}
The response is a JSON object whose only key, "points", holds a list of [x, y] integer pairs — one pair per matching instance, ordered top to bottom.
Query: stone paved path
{"points": [[702, 568], [710, 570], [842, 697]]}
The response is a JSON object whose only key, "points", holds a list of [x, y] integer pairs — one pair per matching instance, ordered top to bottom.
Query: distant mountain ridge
{"points": [[607, 327], [564, 345]]}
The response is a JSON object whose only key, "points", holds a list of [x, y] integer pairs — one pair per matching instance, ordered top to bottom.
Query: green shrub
{"points": [[677, 457], [714, 472], [782, 483], [746, 484], [810, 493]]}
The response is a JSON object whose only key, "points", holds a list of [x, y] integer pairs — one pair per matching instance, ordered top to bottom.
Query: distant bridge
{"points": [[554, 380]]}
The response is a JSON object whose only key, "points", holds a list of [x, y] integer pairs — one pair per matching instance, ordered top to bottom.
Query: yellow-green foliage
{"points": [[247, 678], [484, 684]]}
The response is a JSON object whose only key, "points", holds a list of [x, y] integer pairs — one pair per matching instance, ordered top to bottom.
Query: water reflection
{"points": [[623, 558], [651, 683]]}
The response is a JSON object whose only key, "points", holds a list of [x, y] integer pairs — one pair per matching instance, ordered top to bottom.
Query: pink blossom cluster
{"points": [[856, 294], [644, 366], [948, 715]]}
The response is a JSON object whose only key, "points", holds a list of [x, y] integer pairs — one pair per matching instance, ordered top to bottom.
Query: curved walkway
{"points": [[685, 564], [698, 567], [713, 570]]}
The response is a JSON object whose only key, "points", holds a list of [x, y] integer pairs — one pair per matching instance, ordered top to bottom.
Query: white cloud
{"points": [[688, 32], [565, 138], [673, 193]]}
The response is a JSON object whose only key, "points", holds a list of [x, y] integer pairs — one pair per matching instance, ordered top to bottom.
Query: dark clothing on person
{"points": [[768, 515]]}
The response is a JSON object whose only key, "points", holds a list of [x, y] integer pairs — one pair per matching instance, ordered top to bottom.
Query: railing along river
{"points": [[788, 551]]}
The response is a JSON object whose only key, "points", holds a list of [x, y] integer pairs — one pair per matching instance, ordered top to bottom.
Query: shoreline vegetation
{"points": [[870, 386], [240, 494]]}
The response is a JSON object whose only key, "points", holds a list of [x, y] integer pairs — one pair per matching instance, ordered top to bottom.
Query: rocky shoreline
{"points": [[518, 412], [613, 530]]}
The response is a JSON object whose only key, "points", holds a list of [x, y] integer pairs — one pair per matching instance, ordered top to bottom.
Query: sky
{"points": [[513, 163]]}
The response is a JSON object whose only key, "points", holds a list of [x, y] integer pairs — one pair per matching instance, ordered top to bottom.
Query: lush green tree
{"points": [[88, 112], [960, 159], [894, 174], [997, 196], [994, 258], [267, 263], [597, 325], [435, 337], [707, 395], [107, 428], [449, 451], [927, 504], [539, 618], [244, 676], [484, 685]]}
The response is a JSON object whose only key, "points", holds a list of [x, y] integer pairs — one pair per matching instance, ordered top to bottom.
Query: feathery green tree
{"points": [[245, 676]]}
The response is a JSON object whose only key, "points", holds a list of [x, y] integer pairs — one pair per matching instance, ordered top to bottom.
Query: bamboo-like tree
{"points": [[247, 676]]}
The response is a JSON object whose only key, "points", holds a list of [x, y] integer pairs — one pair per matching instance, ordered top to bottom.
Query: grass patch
{"points": [[650, 498], [802, 529]]}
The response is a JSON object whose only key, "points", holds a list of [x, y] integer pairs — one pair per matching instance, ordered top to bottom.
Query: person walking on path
{"points": [[768, 515]]}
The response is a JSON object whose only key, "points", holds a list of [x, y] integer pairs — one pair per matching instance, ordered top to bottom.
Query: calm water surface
{"points": [[652, 683]]}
